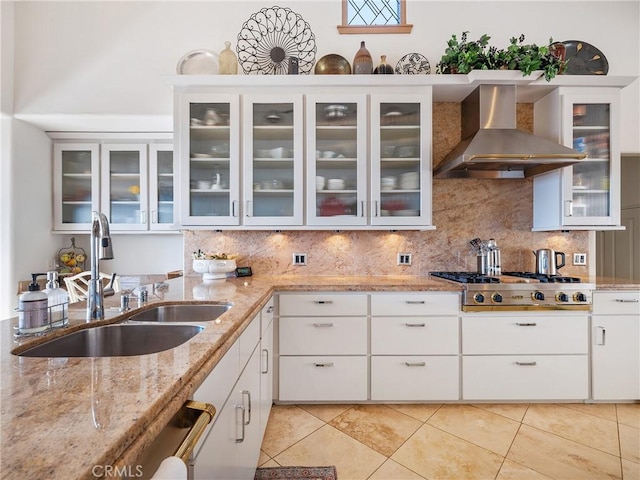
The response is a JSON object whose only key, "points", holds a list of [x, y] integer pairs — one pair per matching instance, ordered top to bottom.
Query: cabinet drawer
{"points": [[616, 303], [323, 304], [415, 304], [525, 334], [414, 335], [323, 336], [530, 377], [323, 378], [414, 378]]}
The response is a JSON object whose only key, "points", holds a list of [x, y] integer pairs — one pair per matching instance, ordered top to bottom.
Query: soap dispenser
{"points": [[58, 301], [33, 309]]}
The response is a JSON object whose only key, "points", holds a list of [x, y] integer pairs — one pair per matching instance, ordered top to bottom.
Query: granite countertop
{"points": [[69, 417]]}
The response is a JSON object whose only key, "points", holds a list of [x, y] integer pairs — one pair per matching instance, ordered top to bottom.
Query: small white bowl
{"points": [[214, 269]]}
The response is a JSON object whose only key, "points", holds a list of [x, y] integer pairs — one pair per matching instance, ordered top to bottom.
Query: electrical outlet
{"points": [[299, 258], [579, 258], [404, 259]]}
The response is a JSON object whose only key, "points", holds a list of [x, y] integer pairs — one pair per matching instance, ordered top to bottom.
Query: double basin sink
{"points": [[165, 329]]}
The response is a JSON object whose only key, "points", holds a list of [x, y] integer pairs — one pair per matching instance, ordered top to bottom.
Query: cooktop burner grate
{"points": [[465, 277], [541, 277]]}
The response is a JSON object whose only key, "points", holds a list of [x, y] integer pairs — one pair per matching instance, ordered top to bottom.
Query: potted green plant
{"points": [[462, 56]]}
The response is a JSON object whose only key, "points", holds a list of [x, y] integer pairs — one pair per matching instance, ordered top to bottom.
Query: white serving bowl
{"points": [[214, 269]]}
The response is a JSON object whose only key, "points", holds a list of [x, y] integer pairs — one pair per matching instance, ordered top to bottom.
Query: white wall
{"points": [[108, 57]]}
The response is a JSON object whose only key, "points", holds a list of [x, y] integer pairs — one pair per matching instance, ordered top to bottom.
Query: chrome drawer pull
{"points": [[629, 300], [323, 302], [415, 302], [270, 309], [415, 324], [532, 324], [318, 325], [603, 335], [328, 364], [415, 364], [527, 364], [248, 394], [241, 408]]}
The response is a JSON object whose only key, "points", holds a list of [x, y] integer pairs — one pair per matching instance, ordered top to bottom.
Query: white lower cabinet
{"points": [[615, 345], [415, 346], [525, 357], [239, 388]]}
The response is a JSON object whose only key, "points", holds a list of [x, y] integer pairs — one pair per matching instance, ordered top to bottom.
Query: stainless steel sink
{"points": [[182, 313], [115, 341]]}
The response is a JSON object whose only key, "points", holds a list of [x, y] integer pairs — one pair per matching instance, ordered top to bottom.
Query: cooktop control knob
{"points": [[538, 296], [562, 297], [580, 297], [478, 298], [496, 298]]}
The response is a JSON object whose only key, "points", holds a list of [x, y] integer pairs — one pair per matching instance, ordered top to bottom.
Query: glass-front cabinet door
{"points": [[208, 146], [401, 159], [273, 160], [337, 160], [124, 185], [161, 187], [591, 187], [76, 190]]}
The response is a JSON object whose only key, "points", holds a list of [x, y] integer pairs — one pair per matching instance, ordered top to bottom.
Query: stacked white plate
{"points": [[410, 181]]}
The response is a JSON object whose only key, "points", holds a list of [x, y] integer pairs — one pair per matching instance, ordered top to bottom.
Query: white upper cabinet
{"points": [[272, 127], [208, 133], [401, 159], [132, 183], [76, 185], [337, 187], [585, 196], [125, 198]]}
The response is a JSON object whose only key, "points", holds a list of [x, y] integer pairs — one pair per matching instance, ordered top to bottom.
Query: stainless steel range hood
{"points": [[492, 147]]}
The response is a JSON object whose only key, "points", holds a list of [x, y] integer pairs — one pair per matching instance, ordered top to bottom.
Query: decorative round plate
{"points": [[271, 37], [584, 59], [198, 62], [332, 64], [413, 64]]}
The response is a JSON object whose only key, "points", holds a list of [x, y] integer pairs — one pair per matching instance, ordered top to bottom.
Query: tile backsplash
{"points": [[462, 209]]}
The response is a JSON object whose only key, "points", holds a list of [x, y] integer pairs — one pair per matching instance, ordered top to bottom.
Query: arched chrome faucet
{"points": [[101, 249]]}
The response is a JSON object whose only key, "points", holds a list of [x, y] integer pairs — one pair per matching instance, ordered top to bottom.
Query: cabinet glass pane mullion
{"points": [[592, 135], [209, 161], [272, 166], [124, 186]]}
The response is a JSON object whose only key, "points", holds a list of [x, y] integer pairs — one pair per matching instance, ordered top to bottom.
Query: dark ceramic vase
{"points": [[362, 62], [384, 68]]}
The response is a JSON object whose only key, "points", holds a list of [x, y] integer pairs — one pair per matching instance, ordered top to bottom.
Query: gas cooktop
{"points": [[471, 277], [520, 291]]}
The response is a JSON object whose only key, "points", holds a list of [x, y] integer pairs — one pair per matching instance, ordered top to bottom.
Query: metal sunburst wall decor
{"points": [[271, 38]]}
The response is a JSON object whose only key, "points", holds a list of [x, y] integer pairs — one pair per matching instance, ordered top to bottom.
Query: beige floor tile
{"points": [[602, 410], [513, 411], [420, 412], [326, 413], [629, 414], [287, 425], [476, 425], [377, 426], [586, 429], [629, 443], [328, 446], [437, 455], [263, 458], [560, 458], [270, 463], [391, 470], [630, 470], [514, 471]]}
